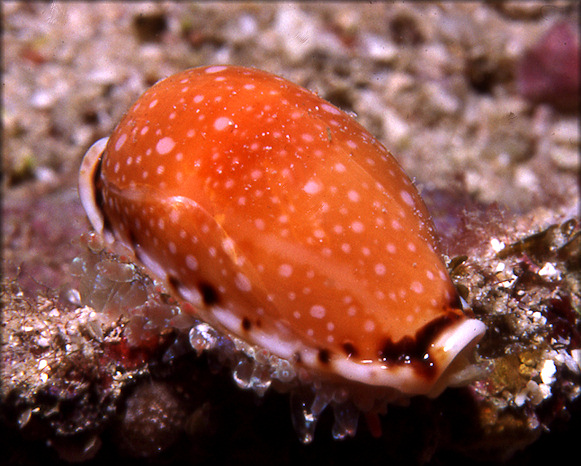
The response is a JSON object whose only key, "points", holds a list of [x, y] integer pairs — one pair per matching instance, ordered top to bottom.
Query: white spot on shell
{"points": [[215, 69], [330, 109], [222, 122], [120, 141], [165, 145], [312, 187], [353, 195], [407, 198], [357, 226], [319, 233], [228, 246], [191, 262], [380, 269], [285, 270], [242, 282], [417, 287], [317, 311], [369, 326]]}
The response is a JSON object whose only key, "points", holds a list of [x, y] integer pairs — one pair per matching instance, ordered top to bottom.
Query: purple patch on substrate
{"points": [[549, 71], [463, 223]]}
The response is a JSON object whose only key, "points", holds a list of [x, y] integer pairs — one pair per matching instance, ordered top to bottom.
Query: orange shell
{"points": [[284, 223]]}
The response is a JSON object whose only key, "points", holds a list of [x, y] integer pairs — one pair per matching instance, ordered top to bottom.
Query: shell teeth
{"points": [[87, 192]]}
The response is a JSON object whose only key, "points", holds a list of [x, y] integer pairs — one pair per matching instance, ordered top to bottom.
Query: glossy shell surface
{"points": [[283, 222]]}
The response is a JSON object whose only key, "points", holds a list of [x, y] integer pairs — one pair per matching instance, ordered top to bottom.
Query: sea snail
{"points": [[286, 224]]}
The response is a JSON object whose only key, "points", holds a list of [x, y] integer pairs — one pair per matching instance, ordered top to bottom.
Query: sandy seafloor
{"points": [[436, 83]]}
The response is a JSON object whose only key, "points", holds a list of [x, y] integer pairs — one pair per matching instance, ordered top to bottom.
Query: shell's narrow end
{"points": [[88, 173], [87, 190], [455, 347]]}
